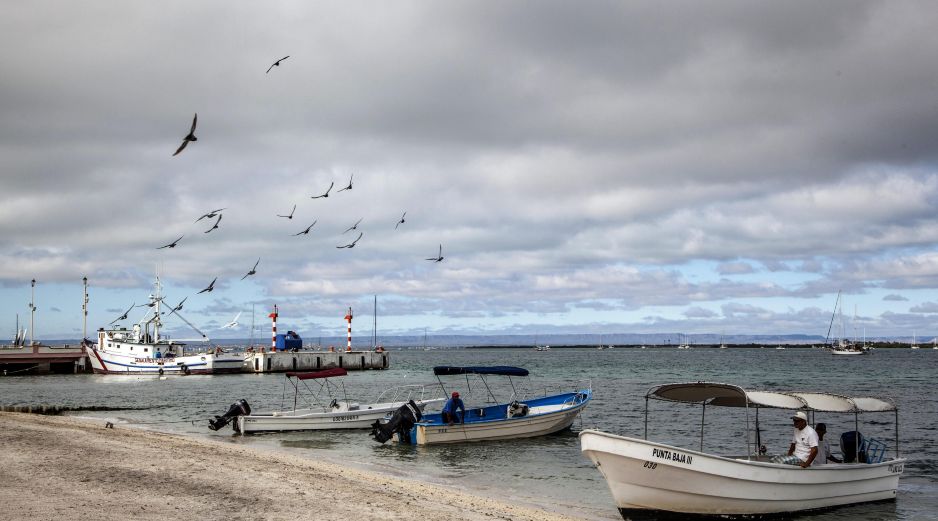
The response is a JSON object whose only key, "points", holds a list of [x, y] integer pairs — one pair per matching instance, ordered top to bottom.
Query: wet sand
{"points": [[68, 468]]}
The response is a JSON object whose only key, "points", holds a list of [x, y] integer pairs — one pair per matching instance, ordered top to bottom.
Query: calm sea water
{"points": [[551, 471]]}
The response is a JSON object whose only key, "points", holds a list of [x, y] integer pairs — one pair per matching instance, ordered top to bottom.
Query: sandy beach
{"points": [[67, 468]]}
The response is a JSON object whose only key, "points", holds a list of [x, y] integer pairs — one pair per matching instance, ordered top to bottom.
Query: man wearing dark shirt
{"points": [[449, 410]]}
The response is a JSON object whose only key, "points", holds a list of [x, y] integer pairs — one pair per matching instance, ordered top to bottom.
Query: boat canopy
{"points": [[504, 370], [328, 373], [726, 395]]}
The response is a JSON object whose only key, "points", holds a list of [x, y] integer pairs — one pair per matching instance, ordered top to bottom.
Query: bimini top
{"points": [[504, 370], [328, 373], [726, 395]]}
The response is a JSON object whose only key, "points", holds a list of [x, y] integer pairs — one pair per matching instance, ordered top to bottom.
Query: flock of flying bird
{"points": [[217, 215]]}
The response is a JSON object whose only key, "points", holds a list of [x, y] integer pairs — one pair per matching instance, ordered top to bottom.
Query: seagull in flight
{"points": [[276, 64], [190, 137], [349, 187], [325, 194], [291, 213], [209, 215], [401, 221], [216, 224], [354, 226], [306, 231], [172, 244], [352, 244], [439, 257], [253, 270], [210, 287], [179, 306], [124, 316], [233, 324]]}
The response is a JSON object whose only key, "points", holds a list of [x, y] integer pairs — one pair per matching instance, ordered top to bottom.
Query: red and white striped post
{"points": [[348, 318], [273, 339]]}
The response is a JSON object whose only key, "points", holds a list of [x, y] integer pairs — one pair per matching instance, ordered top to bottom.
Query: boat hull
{"points": [[105, 362], [555, 418], [310, 420], [644, 477]]}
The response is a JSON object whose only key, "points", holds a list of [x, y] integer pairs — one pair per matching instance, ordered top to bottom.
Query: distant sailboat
{"points": [[722, 341], [914, 344]]}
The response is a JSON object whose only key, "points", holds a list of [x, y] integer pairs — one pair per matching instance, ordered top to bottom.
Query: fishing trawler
{"points": [[142, 350]]}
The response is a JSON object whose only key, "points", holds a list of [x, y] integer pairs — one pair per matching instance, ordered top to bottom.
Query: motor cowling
{"points": [[239, 408], [400, 422]]}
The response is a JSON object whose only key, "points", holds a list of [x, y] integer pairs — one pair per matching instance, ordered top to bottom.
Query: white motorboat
{"points": [[142, 350], [323, 409], [521, 418], [647, 477]]}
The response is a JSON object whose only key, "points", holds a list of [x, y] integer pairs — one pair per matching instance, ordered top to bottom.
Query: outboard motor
{"points": [[239, 408], [401, 422], [850, 441]]}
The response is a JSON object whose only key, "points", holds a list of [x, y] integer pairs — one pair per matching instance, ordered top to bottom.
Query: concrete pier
{"points": [[41, 359], [281, 361]]}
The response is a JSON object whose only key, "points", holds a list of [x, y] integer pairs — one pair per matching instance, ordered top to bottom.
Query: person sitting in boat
{"points": [[449, 410], [823, 447], [803, 449]]}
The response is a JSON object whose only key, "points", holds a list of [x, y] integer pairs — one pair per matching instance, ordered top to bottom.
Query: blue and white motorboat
{"points": [[514, 418]]}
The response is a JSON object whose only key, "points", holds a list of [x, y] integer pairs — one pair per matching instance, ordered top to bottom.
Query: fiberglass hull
{"points": [[645, 476]]}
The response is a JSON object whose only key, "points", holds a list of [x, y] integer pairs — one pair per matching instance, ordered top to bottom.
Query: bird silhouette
{"points": [[276, 64], [190, 137], [349, 187], [325, 194], [291, 213], [209, 215], [401, 221], [216, 224], [354, 226], [306, 231], [172, 244], [352, 244], [439, 257], [253, 270], [210, 287], [179, 306], [124, 316]]}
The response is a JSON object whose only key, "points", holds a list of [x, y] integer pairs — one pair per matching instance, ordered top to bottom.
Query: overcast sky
{"points": [[594, 167]]}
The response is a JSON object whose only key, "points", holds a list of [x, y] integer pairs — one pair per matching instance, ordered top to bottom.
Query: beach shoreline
{"points": [[74, 468]]}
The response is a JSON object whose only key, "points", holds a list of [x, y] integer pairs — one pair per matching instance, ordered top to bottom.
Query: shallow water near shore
{"points": [[550, 471]]}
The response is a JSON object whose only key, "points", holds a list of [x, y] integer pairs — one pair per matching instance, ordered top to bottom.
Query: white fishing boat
{"points": [[143, 350], [326, 407], [514, 418], [648, 478]]}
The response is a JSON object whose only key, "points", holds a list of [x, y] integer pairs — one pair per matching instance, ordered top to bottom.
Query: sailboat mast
{"points": [[84, 309], [252, 326]]}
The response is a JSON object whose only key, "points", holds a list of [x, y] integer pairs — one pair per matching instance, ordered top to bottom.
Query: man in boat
{"points": [[449, 410], [804, 441], [823, 447]]}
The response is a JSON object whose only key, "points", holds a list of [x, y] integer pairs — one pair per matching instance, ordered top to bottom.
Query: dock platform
{"points": [[42, 359], [281, 361]]}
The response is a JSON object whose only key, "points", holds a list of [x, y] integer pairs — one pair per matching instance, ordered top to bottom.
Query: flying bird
{"points": [[276, 64], [190, 137], [349, 187], [325, 194], [291, 213], [209, 215], [401, 221], [216, 224], [354, 226], [306, 231], [172, 244], [352, 244], [439, 257], [253, 270], [210, 287], [179, 306], [124, 316], [233, 323]]}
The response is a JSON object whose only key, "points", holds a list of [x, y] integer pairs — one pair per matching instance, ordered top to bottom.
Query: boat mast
{"points": [[84, 309], [32, 313], [252, 326], [374, 340]]}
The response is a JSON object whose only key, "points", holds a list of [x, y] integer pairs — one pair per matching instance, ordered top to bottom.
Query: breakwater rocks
{"points": [[52, 410]]}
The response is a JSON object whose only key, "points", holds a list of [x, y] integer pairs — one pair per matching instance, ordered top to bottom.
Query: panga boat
{"points": [[142, 350], [323, 408], [515, 418], [648, 478]]}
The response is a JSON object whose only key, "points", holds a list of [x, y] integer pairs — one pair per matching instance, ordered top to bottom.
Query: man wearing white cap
{"points": [[804, 441]]}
